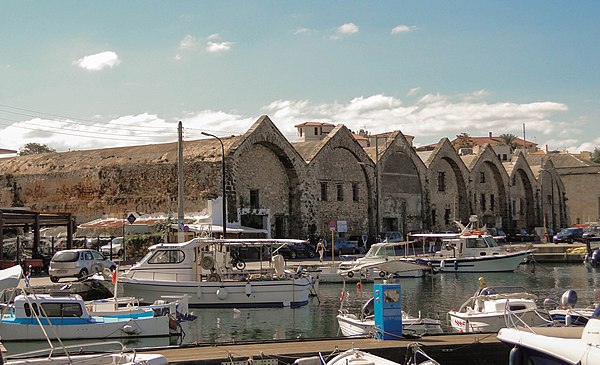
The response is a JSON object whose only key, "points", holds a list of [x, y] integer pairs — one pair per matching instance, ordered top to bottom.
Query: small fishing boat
{"points": [[209, 272], [490, 309], [566, 313], [66, 316], [363, 324], [554, 345], [414, 356]]}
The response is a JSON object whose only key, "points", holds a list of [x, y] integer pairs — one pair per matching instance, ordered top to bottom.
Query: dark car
{"points": [[592, 233], [521, 235], [569, 235], [359, 241], [341, 247], [294, 250]]}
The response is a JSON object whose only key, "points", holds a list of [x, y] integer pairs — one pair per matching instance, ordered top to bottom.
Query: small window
{"points": [[300, 131], [316, 131], [504, 157], [482, 177], [441, 181], [323, 191], [340, 192], [355, 192], [254, 199], [492, 202], [483, 205], [514, 207], [447, 216], [433, 217], [167, 257]]}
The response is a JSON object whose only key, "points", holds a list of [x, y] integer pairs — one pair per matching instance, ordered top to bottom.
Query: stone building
{"points": [[296, 189]]}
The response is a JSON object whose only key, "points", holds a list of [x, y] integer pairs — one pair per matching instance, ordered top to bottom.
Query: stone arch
{"points": [[343, 174], [266, 179], [401, 181], [489, 182], [522, 187], [447, 188]]}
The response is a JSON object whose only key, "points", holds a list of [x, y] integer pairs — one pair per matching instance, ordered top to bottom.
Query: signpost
{"points": [[332, 225]]}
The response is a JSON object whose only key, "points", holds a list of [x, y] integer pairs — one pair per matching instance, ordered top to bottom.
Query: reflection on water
{"points": [[431, 296]]}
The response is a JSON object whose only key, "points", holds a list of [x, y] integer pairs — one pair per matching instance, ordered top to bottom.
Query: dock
{"points": [[448, 349]]}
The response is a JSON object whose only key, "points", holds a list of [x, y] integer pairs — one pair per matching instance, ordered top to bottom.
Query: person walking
{"points": [[321, 249]]}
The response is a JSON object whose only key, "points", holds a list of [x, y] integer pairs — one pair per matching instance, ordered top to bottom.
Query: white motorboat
{"points": [[473, 250], [385, 258], [211, 276], [491, 308], [363, 324], [554, 345], [71, 355]]}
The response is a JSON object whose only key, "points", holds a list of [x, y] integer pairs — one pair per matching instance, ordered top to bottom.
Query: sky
{"points": [[77, 75]]}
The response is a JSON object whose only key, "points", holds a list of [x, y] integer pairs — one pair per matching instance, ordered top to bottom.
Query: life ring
{"points": [[207, 262], [350, 274], [382, 274], [214, 277]]}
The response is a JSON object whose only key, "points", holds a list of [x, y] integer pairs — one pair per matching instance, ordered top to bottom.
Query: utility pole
{"points": [[180, 210]]}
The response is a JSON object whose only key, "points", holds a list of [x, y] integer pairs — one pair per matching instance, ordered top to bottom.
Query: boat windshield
{"points": [[480, 242], [383, 251]]}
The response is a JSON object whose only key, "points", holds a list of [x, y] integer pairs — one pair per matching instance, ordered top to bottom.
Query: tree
{"points": [[509, 140], [35, 149], [596, 155]]}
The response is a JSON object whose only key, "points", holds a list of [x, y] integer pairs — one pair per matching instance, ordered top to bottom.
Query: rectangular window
{"points": [[300, 130], [316, 131], [504, 157], [482, 177], [441, 181], [323, 191], [340, 192], [355, 196], [254, 199], [482, 201], [492, 202], [521, 205], [514, 207], [447, 216], [433, 217]]}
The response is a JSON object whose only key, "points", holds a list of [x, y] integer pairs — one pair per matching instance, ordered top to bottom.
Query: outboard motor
{"points": [[595, 259], [569, 298]]}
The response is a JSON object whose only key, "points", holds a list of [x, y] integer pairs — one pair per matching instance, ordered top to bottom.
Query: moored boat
{"points": [[205, 270], [491, 308]]}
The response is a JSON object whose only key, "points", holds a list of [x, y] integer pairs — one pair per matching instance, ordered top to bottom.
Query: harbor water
{"points": [[430, 296]]}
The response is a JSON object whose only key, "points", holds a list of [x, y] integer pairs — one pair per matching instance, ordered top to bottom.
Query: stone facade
{"points": [[295, 189]]}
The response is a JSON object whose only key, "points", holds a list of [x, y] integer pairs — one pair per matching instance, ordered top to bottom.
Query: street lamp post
{"points": [[223, 182]]}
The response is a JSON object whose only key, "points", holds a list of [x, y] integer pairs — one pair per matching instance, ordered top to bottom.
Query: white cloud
{"points": [[403, 29], [344, 30], [303, 31], [213, 36], [188, 42], [218, 47], [98, 61], [414, 91], [428, 119]]}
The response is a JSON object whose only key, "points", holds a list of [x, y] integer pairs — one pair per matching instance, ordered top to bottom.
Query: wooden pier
{"points": [[448, 349]]}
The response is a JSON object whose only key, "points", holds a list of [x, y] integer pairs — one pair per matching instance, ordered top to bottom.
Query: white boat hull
{"points": [[494, 263], [239, 294], [492, 322], [351, 326], [65, 329], [131, 358]]}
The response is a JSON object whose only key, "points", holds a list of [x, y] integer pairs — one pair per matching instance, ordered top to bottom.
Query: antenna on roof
{"points": [[524, 144]]}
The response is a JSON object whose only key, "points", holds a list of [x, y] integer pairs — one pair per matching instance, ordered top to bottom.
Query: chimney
{"points": [[490, 134]]}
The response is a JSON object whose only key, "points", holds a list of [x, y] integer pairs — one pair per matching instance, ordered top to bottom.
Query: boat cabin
{"points": [[54, 305]]}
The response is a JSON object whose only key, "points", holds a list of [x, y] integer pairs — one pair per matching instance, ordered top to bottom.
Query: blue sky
{"points": [[91, 74]]}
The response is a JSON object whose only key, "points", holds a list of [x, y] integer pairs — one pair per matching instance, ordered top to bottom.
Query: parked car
{"points": [[592, 233], [521, 235], [569, 235], [392, 236], [359, 241], [117, 247], [341, 247], [295, 250], [78, 263]]}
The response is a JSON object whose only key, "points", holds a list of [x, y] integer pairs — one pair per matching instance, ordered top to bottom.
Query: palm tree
{"points": [[509, 140]]}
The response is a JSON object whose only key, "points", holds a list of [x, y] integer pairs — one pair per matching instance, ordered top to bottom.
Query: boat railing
{"points": [[514, 320], [107, 347]]}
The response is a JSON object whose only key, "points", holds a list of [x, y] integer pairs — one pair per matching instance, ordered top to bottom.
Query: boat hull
{"points": [[495, 263], [239, 294], [492, 322], [351, 326], [77, 328]]}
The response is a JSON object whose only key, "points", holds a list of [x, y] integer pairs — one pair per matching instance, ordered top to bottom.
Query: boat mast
{"points": [[180, 211]]}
